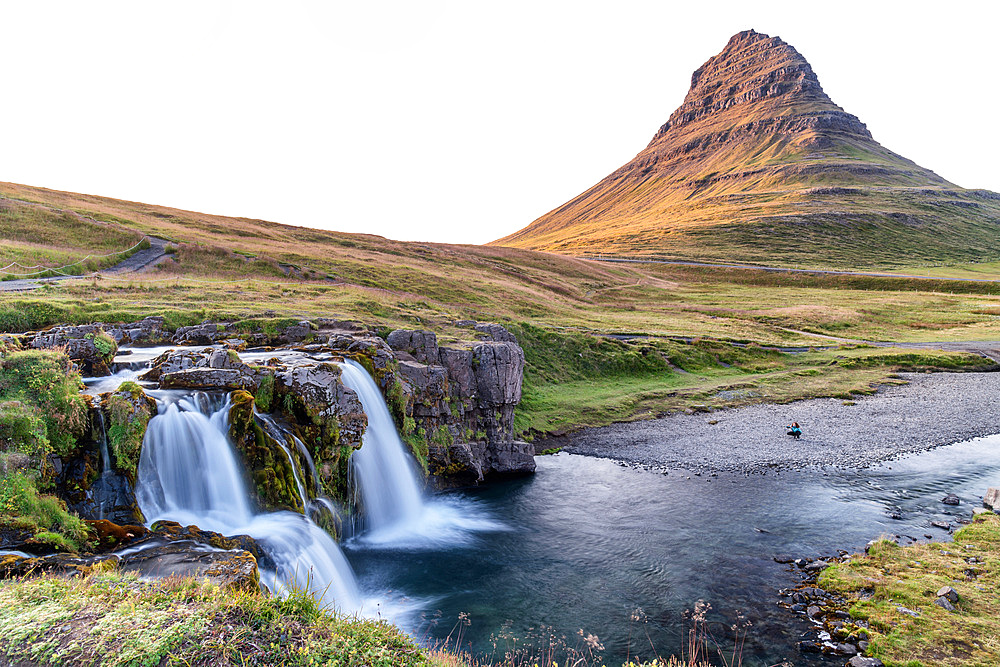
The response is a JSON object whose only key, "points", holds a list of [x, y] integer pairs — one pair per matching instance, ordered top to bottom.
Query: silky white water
{"points": [[189, 473], [384, 473], [396, 514]]}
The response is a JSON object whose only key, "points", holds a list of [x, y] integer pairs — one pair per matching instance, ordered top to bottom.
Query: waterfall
{"points": [[103, 443], [382, 470], [189, 473], [320, 502], [396, 514]]}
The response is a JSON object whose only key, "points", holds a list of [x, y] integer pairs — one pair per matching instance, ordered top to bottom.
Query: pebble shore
{"points": [[932, 410]]}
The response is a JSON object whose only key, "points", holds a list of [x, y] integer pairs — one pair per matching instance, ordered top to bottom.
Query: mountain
{"points": [[759, 165]]}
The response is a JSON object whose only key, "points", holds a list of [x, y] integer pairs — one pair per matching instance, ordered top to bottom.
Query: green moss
{"points": [[105, 344], [265, 393], [42, 397], [395, 398], [129, 411], [417, 441], [266, 463], [21, 505]]}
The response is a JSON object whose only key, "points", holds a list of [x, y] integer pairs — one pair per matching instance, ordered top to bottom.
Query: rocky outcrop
{"points": [[89, 346], [305, 390], [461, 402], [454, 405], [270, 469], [92, 490], [991, 500], [170, 550]]}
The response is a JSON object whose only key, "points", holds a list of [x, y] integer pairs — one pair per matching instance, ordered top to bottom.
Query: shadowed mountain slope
{"points": [[759, 165]]}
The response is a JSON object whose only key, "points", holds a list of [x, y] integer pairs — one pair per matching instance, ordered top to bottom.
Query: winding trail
{"points": [[136, 263], [781, 269]]}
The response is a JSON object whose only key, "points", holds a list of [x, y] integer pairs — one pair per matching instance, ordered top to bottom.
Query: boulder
{"points": [[148, 331], [495, 332], [205, 333], [297, 333], [421, 345], [89, 346], [172, 361], [208, 378], [512, 458], [951, 499], [991, 500], [19, 566], [232, 569], [948, 593], [945, 604], [861, 661]]}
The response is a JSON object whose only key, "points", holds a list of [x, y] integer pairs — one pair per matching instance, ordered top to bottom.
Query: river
{"points": [[623, 553]]}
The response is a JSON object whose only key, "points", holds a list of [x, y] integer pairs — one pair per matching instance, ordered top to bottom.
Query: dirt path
{"points": [[138, 262], [780, 269]]}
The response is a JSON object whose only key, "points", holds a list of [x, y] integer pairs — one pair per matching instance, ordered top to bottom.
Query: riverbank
{"points": [[930, 410], [925, 604]]}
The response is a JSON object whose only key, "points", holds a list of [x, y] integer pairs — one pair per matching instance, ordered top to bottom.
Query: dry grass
{"points": [[890, 577]]}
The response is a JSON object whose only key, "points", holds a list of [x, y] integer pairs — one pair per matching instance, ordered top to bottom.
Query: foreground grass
{"points": [[890, 577], [113, 619], [116, 620]]}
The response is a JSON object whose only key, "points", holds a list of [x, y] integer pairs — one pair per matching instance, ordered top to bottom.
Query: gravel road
{"points": [[141, 260], [932, 410]]}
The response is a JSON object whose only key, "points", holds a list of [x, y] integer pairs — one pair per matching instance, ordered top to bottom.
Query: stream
{"points": [[623, 553]]}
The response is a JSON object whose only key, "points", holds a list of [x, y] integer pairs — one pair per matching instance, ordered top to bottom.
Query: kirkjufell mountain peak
{"points": [[758, 164]]}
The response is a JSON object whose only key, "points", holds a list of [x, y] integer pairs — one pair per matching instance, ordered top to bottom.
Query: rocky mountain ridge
{"points": [[738, 173]]}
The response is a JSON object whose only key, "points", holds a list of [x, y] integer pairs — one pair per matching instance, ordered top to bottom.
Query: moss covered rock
{"points": [[89, 345], [127, 413], [328, 415], [266, 462]]}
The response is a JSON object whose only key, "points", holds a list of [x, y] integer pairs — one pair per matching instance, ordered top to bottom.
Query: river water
{"points": [[586, 542]]}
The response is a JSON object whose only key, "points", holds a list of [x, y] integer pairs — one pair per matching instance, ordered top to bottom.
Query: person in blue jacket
{"points": [[795, 430]]}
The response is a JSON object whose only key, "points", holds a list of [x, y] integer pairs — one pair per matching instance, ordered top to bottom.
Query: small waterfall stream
{"points": [[189, 473], [384, 473], [395, 513]]}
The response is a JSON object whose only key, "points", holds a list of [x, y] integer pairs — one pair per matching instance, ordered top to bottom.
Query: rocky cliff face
{"points": [[733, 175], [462, 401], [454, 406]]}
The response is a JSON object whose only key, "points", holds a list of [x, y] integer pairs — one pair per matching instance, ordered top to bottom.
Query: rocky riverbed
{"points": [[929, 411]]}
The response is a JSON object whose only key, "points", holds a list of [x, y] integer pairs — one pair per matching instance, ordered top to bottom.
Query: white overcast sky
{"points": [[443, 121]]}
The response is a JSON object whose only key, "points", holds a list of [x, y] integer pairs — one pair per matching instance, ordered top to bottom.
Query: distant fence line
{"points": [[60, 269]]}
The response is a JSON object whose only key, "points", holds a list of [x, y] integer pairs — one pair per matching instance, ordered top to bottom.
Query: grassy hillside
{"points": [[681, 321]]}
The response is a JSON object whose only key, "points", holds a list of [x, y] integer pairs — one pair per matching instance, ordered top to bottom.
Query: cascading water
{"points": [[383, 471], [189, 473], [319, 503], [396, 513]]}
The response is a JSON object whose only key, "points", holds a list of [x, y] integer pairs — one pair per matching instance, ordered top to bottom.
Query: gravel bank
{"points": [[932, 410]]}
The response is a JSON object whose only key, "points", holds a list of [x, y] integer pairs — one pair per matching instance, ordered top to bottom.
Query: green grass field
{"points": [[239, 269]]}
